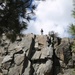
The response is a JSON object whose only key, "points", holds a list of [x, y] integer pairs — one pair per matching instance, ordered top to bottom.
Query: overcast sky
{"points": [[52, 15]]}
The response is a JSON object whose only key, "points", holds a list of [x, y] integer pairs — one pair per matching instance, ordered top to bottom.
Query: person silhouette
{"points": [[41, 31]]}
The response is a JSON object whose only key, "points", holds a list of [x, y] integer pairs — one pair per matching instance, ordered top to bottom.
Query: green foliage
{"points": [[10, 13], [73, 13], [9, 16], [72, 26], [72, 29], [73, 46]]}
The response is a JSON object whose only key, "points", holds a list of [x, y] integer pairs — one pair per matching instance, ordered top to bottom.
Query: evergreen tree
{"points": [[11, 11], [72, 26], [72, 29]]}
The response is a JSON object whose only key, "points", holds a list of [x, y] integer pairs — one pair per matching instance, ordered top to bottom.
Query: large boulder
{"points": [[42, 41], [63, 51], [46, 52], [34, 55], [7, 58], [19, 58], [28, 68], [44, 68], [16, 70]]}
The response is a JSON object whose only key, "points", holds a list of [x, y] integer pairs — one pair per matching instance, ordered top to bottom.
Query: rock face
{"points": [[34, 55]]}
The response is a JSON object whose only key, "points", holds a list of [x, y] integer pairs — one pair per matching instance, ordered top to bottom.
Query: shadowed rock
{"points": [[35, 55]]}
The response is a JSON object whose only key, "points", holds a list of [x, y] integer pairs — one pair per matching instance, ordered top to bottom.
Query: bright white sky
{"points": [[52, 15]]}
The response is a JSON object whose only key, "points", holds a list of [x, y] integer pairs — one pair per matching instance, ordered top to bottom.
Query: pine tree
{"points": [[11, 11], [72, 26]]}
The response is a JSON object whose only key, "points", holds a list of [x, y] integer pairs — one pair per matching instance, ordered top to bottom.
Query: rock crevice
{"points": [[34, 55]]}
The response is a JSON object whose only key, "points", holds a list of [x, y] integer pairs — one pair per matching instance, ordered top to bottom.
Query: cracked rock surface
{"points": [[33, 55]]}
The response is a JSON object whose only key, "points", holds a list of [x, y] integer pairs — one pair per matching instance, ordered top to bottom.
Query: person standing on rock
{"points": [[41, 31]]}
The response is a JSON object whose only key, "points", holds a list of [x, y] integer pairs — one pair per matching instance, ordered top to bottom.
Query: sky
{"points": [[52, 15]]}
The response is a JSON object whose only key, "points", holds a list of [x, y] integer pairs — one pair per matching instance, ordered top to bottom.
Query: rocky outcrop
{"points": [[34, 55]]}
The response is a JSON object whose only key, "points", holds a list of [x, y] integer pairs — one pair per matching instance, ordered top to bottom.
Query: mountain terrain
{"points": [[34, 54]]}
